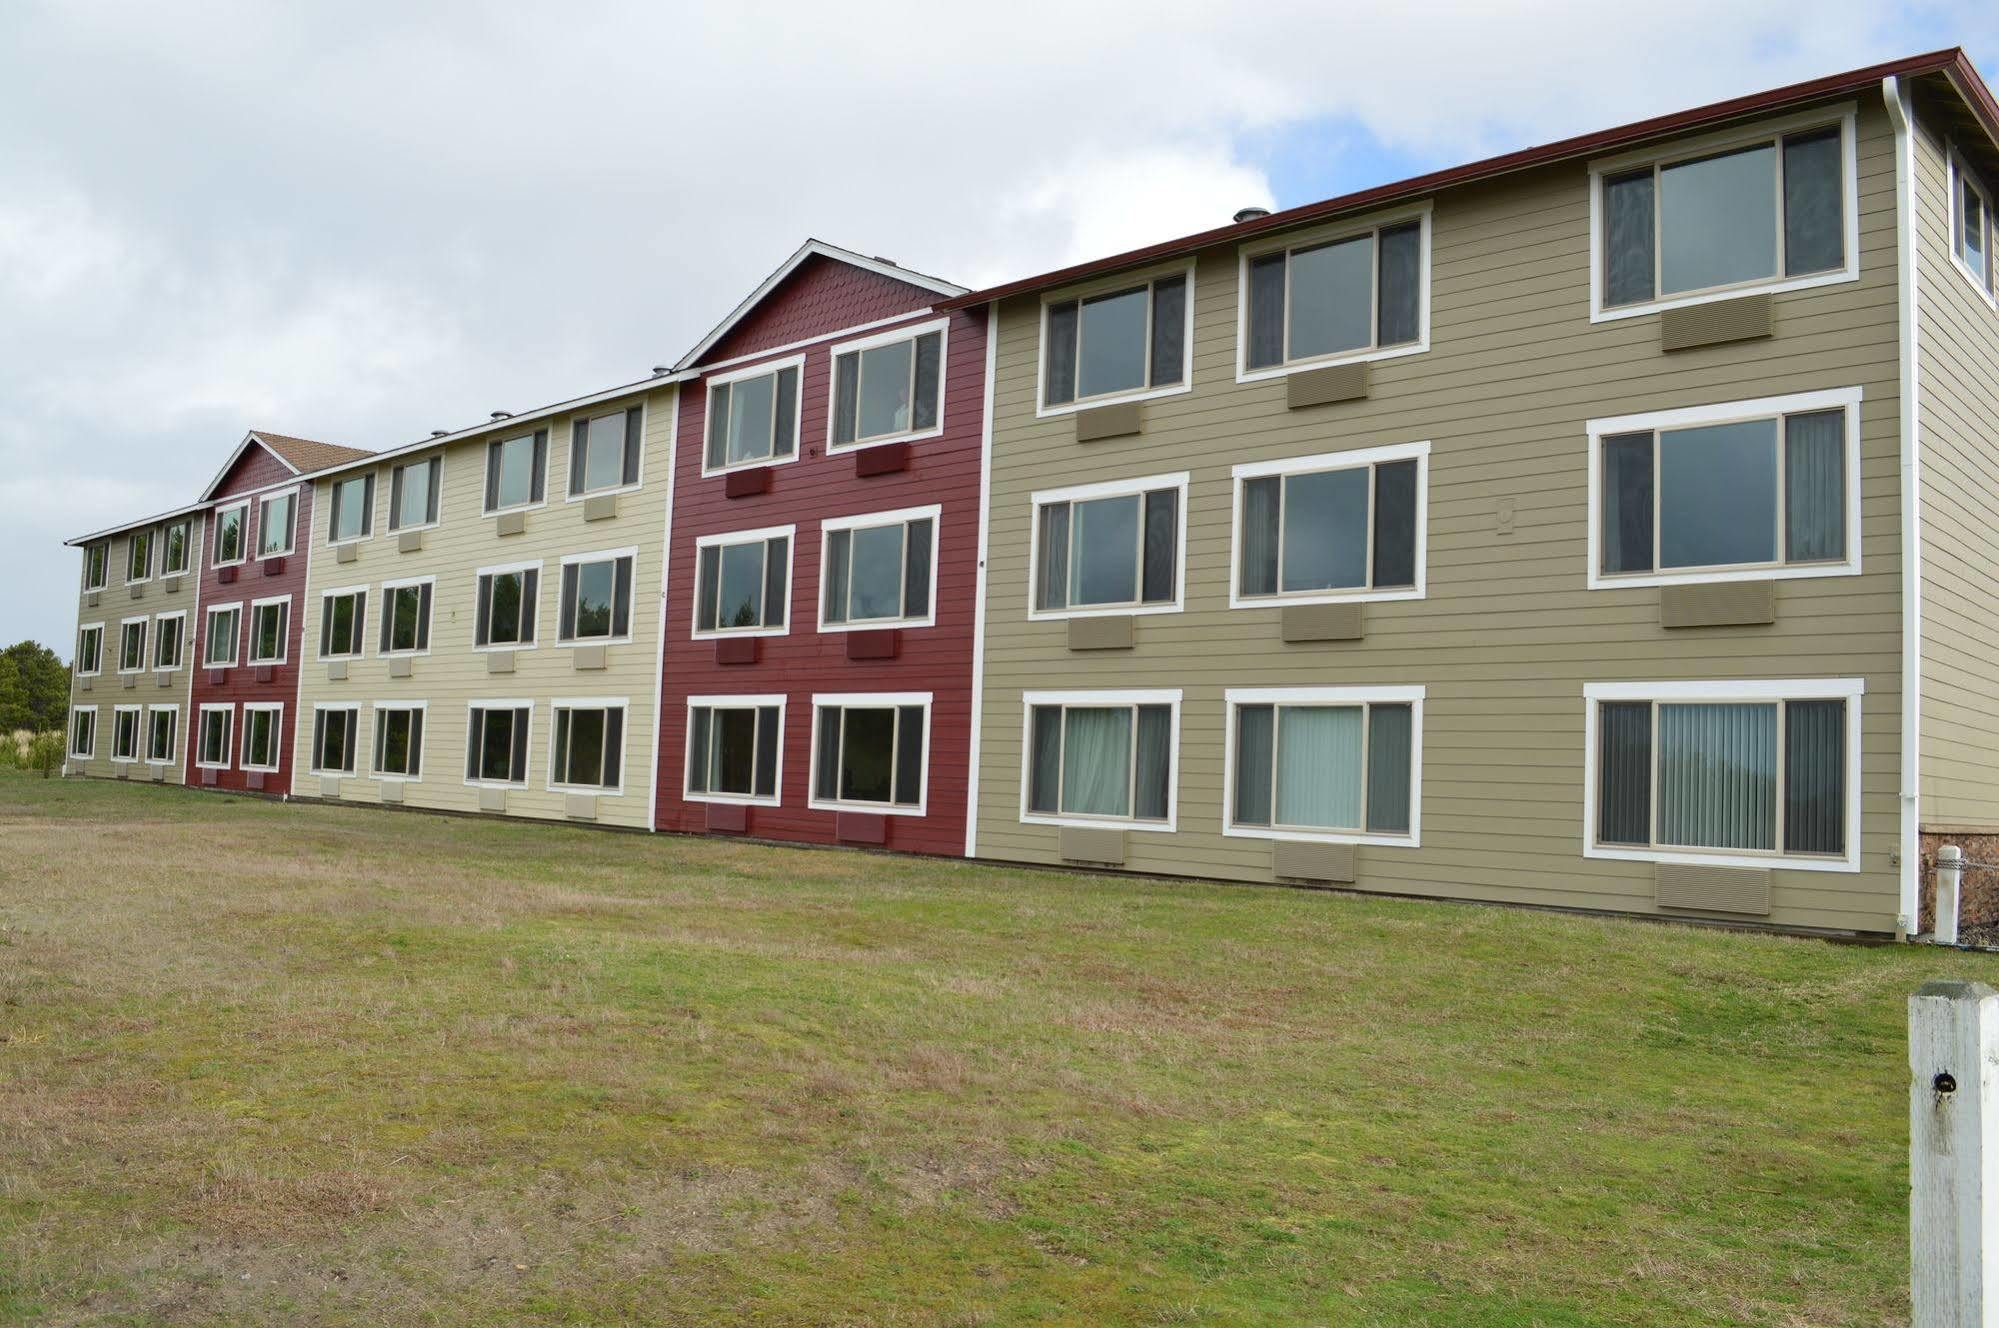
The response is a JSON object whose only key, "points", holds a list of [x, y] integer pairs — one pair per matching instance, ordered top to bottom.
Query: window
{"points": [[1773, 210], [1971, 227], [1340, 298], [1129, 340], [888, 387], [753, 416], [604, 452], [516, 470], [1748, 489], [413, 493], [352, 515], [274, 524], [1344, 526], [231, 540], [176, 544], [1110, 547], [139, 556], [96, 565], [878, 570], [743, 581], [596, 597], [509, 600], [406, 617], [270, 620], [343, 622], [219, 633], [169, 639], [132, 645], [90, 650], [162, 722], [262, 725], [335, 730], [83, 732], [125, 733], [399, 741], [496, 742], [734, 746], [589, 747], [211, 750], [868, 752], [1101, 758], [1333, 763], [1726, 773]]}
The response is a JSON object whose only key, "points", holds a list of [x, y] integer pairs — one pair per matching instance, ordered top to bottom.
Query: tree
{"points": [[44, 683], [15, 711]]}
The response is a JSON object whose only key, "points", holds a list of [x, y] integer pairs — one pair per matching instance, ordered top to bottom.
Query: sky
{"points": [[361, 221]]}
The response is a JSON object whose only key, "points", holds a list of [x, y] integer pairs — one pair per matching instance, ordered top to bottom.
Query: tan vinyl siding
{"points": [[1958, 395], [1509, 633], [453, 674], [108, 690]]}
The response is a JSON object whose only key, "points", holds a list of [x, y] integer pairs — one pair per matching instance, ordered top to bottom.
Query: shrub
{"points": [[45, 752]]}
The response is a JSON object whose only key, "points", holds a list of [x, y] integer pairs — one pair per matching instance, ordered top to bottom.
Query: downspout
{"points": [[979, 593], [1908, 852]]}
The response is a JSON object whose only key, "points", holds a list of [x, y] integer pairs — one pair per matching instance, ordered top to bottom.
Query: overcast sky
{"points": [[361, 221]]}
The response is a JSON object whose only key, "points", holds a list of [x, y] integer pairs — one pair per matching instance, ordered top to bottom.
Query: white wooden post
{"points": [[1950, 879], [1954, 1155]]}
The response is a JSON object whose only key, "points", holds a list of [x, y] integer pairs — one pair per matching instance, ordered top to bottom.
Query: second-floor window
{"points": [[1971, 227], [1346, 296], [1117, 343], [887, 387], [753, 417], [604, 452], [516, 471], [413, 492], [352, 515], [274, 525], [1341, 526], [231, 540], [176, 542], [1109, 547], [139, 556], [96, 565], [877, 569], [742, 581], [509, 598], [596, 600], [406, 618], [342, 620], [269, 621], [224, 625], [168, 634], [132, 646], [90, 649]]}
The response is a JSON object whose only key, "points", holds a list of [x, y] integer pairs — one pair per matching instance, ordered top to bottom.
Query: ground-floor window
{"points": [[261, 725], [162, 728], [83, 732], [335, 732], [125, 733], [399, 741], [496, 742], [733, 746], [211, 749], [868, 750], [588, 751], [1102, 757], [1338, 763]]}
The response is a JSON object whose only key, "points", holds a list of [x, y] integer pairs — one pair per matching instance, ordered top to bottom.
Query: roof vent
{"points": [[1251, 214], [890, 261], [661, 370], [503, 414], [440, 433]]}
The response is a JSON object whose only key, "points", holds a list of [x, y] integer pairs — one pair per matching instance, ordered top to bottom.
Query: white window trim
{"points": [[1700, 146], [1957, 175], [1345, 229], [1104, 286], [941, 326], [797, 412], [1727, 412], [485, 451], [1366, 456], [621, 486], [1108, 489], [264, 501], [333, 507], [220, 513], [934, 513], [389, 519], [152, 534], [734, 537], [189, 550], [608, 556], [502, 569], [404, 583], [101, 585], [319, 627], [82, 630], [208, 634], [284, 637], [145, 643], [153, 647], [1849, 690], [1412, 696], [1169, 697], [741, 701], [879, 701], [620, 703], [375, 709], [277, 711], [228, 713], [138, 734], [146, 736], [91, 753], [312, 765], [527, 765]]}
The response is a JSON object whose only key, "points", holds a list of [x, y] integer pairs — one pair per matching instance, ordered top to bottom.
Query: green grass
{"points": [[270, 1064]]}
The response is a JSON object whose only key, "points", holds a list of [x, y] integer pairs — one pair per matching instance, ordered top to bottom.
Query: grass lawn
{"points": [[269, 1064]]}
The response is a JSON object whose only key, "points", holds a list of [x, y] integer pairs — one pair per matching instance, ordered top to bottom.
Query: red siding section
{"points": [[943, 470], [255, 579]]}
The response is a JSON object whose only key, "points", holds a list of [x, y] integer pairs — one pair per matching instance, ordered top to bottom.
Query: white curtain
{"points": [[1096, 762], [1319, 767]]}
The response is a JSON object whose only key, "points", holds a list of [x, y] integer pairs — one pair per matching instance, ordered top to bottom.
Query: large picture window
{"points": [[1344, 297], [1118, 343], [888, 387], [753, 416], [604, 452], [516, 471], [1751, 489], [1345, 526], [1109, 547], [877, 570], [743, 582], [496, 742], [734, 745], [588, 749], [868, 751], [1101, 758], [1333, 763], [1752, 774]]}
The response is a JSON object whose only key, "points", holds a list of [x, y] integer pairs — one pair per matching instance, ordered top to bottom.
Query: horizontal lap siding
{"points": [[820, 298], [1958, 345], [942, 470], [1508, 633], [454, 674]]}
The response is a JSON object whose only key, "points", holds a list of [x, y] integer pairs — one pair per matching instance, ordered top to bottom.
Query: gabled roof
{"points": [[1952, 64], [814, 248], [298, 455]]}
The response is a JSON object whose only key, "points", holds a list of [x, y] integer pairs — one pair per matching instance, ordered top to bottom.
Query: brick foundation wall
{"points": [[1978, 897]]}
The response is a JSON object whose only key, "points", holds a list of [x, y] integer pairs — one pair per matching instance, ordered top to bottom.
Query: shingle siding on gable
{"points": [[820, 298]]}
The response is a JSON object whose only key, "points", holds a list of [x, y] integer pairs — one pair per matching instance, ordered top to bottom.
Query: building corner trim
{"points": [[979, 590]]}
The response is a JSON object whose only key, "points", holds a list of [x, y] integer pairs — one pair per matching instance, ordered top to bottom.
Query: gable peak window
{"points": [[1325, 299], [1134, 339], [887, 389], [753, 418], [604, 451], [516, 471], [413, 493], [353, 512], [1109, 550], [877, 570], [742, 582], [596, 599], [733, 747]]}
